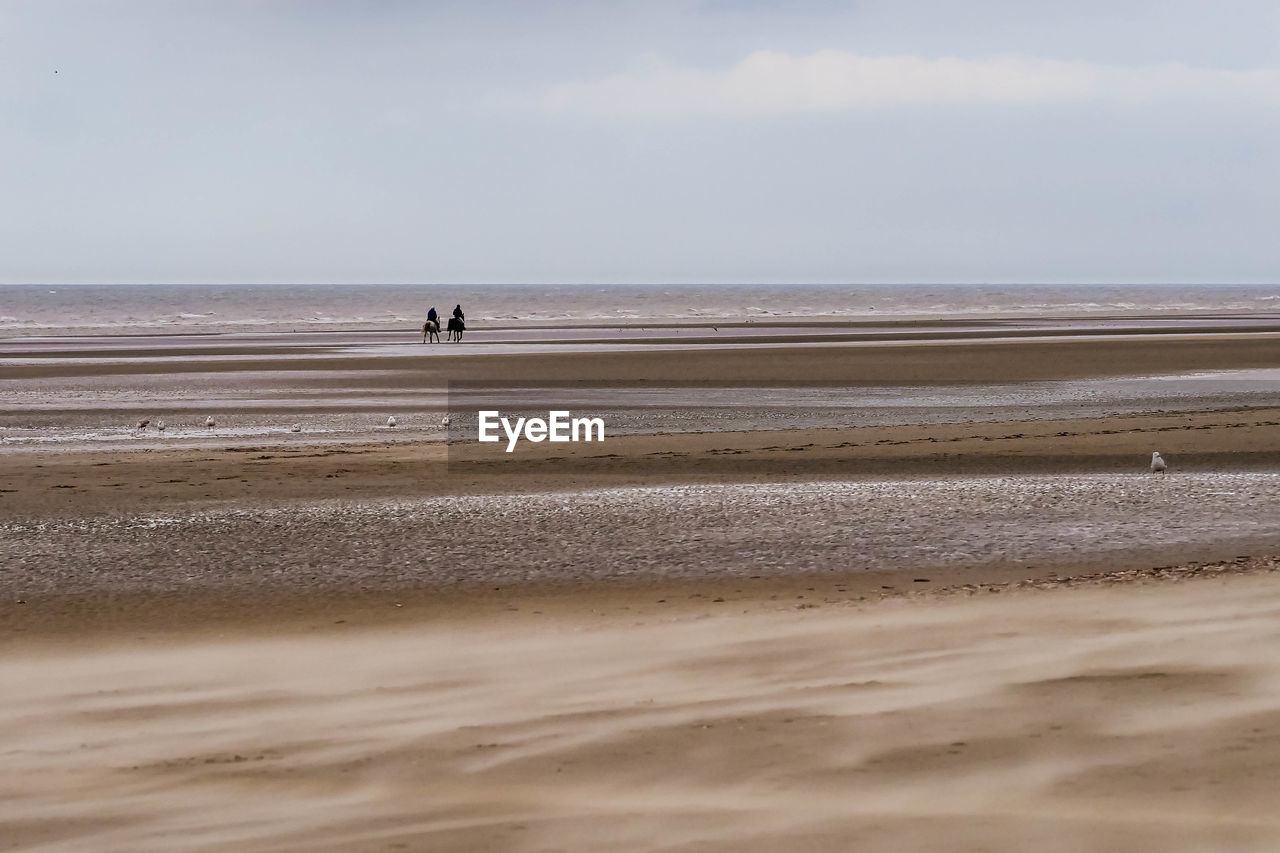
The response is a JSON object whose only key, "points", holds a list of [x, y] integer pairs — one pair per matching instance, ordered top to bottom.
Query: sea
{"points": [[89, 309]]}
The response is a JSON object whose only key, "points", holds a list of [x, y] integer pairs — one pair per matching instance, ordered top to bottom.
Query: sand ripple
{"points": [[1120, 719]]}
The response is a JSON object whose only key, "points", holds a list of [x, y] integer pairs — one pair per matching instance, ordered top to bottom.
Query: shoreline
{"points": [[868, 317], [784, 360]]}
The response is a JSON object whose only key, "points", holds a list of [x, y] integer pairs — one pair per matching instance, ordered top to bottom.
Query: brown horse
{"points": [[431, 328]]}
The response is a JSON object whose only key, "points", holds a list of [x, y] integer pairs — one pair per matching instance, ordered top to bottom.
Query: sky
{"points": [[868, 141]]}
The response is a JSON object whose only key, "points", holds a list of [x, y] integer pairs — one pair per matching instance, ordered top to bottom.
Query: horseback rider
{"points": [[432, 316], [457, 324]]}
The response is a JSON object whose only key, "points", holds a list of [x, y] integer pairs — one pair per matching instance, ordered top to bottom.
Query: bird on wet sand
{"points": [[391, 421], [445, 421], [209, 422], [142, 424], [160, 425], [296, 428], [1157, 463]]}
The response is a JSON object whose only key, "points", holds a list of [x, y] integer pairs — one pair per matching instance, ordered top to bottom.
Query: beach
{"points": [[647, 427], [835, 584]]}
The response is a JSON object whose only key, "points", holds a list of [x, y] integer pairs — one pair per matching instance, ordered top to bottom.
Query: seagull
{"points": [[209, 421], [391, 421], [444, 421], [142, 424], [160, 425], [296, 428], [1157, 464]]}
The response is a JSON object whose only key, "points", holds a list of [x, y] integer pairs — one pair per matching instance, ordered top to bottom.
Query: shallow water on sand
{"points": [[115, 309], [672, 532]]}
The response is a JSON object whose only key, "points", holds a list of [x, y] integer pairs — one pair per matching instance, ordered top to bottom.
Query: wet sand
{"points": [[917, 353], [89, 393], [37, 482], [105, 541]]}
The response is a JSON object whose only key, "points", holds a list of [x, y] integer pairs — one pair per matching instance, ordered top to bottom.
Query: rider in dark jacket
{"points": [[457, 312], [432, 315]]}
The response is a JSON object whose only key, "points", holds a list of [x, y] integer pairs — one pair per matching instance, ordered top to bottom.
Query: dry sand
{"points": [[1107, 718]]}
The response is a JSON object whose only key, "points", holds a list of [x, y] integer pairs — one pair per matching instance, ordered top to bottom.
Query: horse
{"points": [[431, 328], [455, 329]]}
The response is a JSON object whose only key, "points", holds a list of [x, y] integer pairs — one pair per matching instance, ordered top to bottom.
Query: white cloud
{"points": [[772, 83]]}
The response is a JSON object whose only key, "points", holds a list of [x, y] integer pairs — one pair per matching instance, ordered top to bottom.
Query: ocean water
{"points": [[167, 309]]}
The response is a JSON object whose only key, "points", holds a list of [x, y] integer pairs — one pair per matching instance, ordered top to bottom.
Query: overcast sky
{"points": [[711, 141]]}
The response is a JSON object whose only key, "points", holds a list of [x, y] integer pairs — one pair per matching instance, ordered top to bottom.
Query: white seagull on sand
{"points": [[209, 421], [391, 421], [444, 421], [160, 425], [296, 428], [1157, 463]]}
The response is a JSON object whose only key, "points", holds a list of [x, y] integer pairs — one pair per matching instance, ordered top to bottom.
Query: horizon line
{"points": [[719, 283]]}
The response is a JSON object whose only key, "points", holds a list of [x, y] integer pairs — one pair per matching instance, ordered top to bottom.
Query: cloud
{"points": [[772, 83]]}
